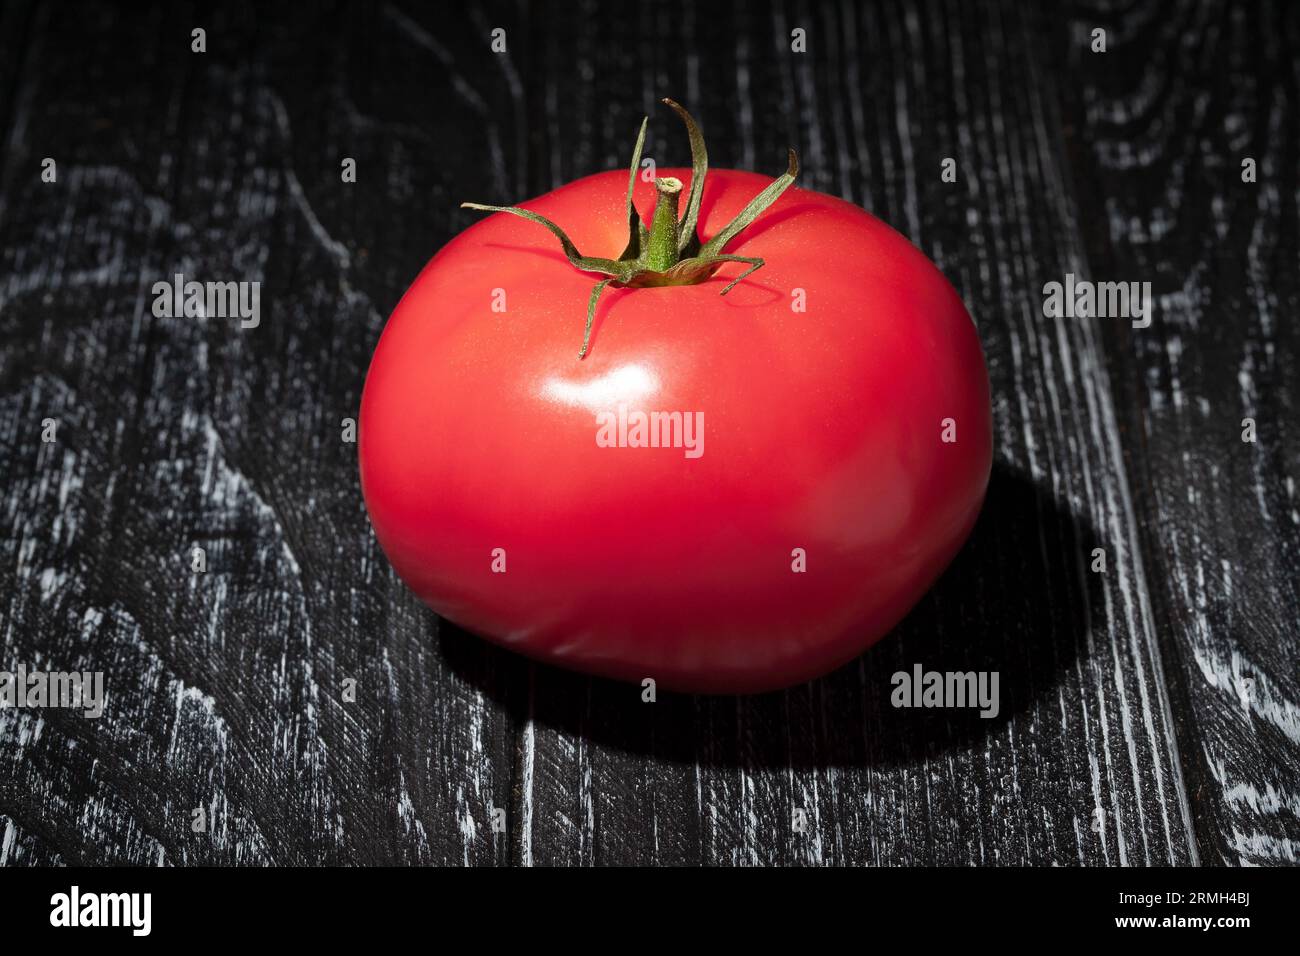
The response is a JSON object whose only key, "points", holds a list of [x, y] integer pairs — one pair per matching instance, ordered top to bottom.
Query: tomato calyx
{"points": [[668, 252]]}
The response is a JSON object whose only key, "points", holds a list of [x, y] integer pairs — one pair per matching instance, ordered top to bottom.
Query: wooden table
{"points": [[1150, 713]]}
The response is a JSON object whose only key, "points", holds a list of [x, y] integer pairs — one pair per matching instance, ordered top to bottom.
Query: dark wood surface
{"points": [[1150, 714]]}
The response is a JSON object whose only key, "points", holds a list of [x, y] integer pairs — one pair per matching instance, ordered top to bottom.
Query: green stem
{"points": [[661, 251], [670, 252]]}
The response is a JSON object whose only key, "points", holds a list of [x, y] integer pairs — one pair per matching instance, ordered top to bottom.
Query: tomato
{"points": [[833, 450]]}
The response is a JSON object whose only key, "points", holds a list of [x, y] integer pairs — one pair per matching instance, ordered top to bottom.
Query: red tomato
{"points": [[824, 380]]}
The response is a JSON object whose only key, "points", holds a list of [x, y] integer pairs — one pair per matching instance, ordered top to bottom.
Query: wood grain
{"points": [[1158, 137], [1120, 739]]}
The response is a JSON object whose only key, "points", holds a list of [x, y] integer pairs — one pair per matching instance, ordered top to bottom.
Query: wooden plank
{"points": [[1161, 124], [226, 688]]}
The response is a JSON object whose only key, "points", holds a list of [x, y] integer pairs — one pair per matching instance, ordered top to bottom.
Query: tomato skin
{"points": [[822, 431]]}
